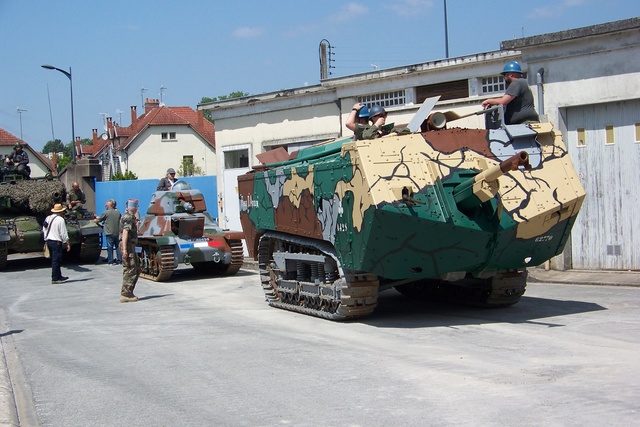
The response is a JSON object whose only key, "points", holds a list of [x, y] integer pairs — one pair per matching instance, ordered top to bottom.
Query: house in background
{"points": [[161, 138], [40, 165]]}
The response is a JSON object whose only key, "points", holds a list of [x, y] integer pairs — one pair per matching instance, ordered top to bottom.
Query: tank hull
{"points": [[393, 207], [171, 235]]}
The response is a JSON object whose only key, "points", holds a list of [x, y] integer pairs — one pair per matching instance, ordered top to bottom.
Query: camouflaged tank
{"points": [[24, 205], [440, 213], [178, 230]]}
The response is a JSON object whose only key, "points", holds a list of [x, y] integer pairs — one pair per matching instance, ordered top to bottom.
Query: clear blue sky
{"points": [[210, 48]]}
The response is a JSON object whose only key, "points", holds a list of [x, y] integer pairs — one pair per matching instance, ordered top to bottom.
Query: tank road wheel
{"points": [[90, 249], [4, 251], [156, 262], [219, 268], [304, 275]]}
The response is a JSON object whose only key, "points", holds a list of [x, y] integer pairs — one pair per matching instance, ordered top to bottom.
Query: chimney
{"points": [[150, 104], [134, 115], [200, 118], [94, 139], [78, 147]]}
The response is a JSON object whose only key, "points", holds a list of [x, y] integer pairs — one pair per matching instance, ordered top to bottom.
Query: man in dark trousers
{"points": [[110, 220], [56, 237]]}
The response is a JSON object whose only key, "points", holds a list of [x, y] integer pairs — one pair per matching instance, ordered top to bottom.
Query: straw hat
{"points": [[58, 207]]}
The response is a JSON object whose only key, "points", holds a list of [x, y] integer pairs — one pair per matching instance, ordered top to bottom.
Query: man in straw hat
{"points": [[55, 232], [131, 271]]}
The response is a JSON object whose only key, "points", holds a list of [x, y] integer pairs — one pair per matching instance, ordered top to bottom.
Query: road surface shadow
{"points": [[395, 310], [11, 332]]}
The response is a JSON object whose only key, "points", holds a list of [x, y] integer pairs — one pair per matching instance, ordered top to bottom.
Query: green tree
{"points": [[205, 100], [53, 146], [189, 168], [126, 176]]}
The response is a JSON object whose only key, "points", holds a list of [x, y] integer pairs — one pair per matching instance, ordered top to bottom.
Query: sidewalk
{"points": [[585, 277]]}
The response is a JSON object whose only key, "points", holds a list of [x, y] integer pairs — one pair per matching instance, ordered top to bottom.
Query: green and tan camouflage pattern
{"points": [[350, 193], [178, 223]]}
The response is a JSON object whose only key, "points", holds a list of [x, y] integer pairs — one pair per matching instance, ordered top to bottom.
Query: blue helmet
{"points": [[512, 67], [375, 110], [363, 112]]}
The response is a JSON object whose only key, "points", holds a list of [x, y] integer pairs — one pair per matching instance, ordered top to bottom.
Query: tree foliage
{"points": [[232, 95], [53, 146], [189, 168], [126, 176]]}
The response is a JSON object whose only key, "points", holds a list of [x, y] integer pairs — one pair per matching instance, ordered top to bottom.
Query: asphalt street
{"points": [[201, 351]]}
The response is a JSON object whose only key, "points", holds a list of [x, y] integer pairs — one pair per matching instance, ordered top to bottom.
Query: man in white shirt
{"points": [[56, 236]]}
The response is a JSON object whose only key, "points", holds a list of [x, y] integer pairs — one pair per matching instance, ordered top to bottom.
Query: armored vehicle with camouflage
{"points": [[24, 205], [447, 213], [177, 229]]}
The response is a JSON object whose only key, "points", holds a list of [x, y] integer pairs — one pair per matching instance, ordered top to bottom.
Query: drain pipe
{"points": [[540, 82]]}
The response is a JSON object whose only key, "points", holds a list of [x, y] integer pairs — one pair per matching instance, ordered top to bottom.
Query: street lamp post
{"points": [[73, 131]]}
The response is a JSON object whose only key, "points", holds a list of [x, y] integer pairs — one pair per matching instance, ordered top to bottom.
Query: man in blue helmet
{"points": [[517, 100], [358, 120]]}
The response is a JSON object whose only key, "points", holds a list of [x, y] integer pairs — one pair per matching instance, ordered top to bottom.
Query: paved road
{"points": [[209, 352]]}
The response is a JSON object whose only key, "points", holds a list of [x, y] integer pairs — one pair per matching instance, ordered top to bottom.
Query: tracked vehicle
{"points": [[24, 204], [440, 212], [177, 229]]}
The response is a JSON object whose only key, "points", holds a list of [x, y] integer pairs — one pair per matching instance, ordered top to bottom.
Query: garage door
{"points": [[603, 142]]}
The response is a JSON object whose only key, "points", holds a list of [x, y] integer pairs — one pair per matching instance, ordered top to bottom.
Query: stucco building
{"points": [[162, 137]]}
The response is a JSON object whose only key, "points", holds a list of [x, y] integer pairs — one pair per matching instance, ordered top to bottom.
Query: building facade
{"points": [[161, 138]]}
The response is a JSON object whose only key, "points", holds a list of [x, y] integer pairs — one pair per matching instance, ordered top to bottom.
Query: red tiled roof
{"points": [[163, 116], [8, 139]]}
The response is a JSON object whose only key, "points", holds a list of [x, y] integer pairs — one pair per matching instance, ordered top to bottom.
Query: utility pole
{"points": [[446, 31], [162, 89], [142, 91], [20, 111]]}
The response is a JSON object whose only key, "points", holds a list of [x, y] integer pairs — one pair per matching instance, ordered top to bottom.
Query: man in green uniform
{"points": [[77, 198], [129, 228]]}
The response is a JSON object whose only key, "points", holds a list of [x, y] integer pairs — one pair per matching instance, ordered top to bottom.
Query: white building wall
{"points": [[149, 156]]}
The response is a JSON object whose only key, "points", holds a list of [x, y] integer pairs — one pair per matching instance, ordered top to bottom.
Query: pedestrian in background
{"points": [[167, 182], [110, 221], [55, 232], [130, 263]]}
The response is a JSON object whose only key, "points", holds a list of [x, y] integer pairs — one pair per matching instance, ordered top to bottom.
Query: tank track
{"points": [[90, 249], [4, 252], [237, 257], [153, 268], [312, 281], [502, 290]]}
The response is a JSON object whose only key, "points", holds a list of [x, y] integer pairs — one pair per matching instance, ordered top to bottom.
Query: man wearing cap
{"points": [[518, 99], [18, 160], [167, 182], [55, 232], [131, 271]]}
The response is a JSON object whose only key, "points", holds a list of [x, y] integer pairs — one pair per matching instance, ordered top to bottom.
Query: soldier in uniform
{"points": [[18, 161], [76, 197], [129, 228]]}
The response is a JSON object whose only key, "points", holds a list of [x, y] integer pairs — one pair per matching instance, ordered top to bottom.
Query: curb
{"points": [[8, 410]]}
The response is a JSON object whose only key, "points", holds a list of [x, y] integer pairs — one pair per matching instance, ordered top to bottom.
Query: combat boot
{"points": [[131, 298]]}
